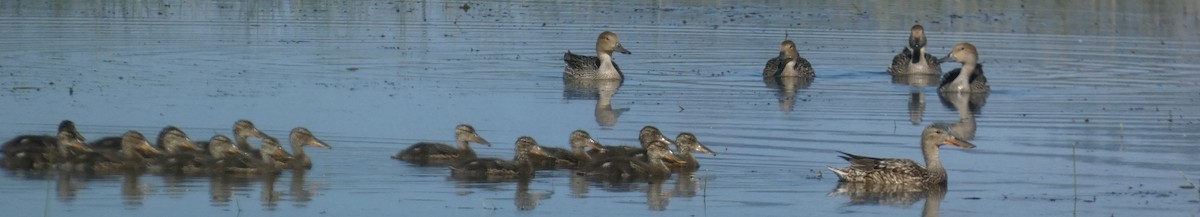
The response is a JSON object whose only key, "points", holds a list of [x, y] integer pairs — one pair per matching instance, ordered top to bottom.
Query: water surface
{"points": [[1092, 110]]}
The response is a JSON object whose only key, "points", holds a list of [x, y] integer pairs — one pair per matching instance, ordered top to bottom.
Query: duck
{"points": [[913, 60], [789, 63], [599, 67], [969, 78], [242, 131], [648, 134], [299, 138], [686, 143], [42, 151], [131, 151], [430, 153], [181, 156], [272, 156], [227, 158], [559, 158], [652, 165], [493, 168], [903, 171]]}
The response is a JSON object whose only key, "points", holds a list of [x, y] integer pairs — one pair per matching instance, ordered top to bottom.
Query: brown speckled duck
{"points": [[789, 63], [599, 67], [299, 138], [686, 143], [44, 151], [131, 151], [430, 153], [559, 158], [652, 165], [494, 168], [903, 171]]}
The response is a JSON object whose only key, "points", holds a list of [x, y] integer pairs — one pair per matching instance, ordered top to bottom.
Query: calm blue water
{"points": [[1090, 100]]}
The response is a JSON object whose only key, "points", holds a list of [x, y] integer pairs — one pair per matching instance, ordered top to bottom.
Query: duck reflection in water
{"points": [[786, 88], [600, 90], [916, 96], [967, 105], [68, 185], [132, 190], [893, 195], [269, 197], [526, 201]]}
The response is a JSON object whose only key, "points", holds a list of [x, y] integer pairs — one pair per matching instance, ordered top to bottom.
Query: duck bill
{"points": [[621, 49], [949, 58], [480, 140], [315, 142], [960, 143], [188, 144], [596, 146], [700, 148], [147, 149], [537, 150]]}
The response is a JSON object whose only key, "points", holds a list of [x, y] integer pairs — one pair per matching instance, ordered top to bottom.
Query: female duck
{"points": [[914, 59], [788, 63], [599, 67], [969, 78], [242, 131], [647, 135], [299, 138], [687, 143], [429, 153], [182, 156], [227, 158], [559, 158], [493, 168], [903, 171]]}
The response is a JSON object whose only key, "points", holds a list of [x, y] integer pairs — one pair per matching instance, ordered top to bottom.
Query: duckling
{"points": [[913, 59], [789, 63], [601, 66], [969, 78], [242, 131], [648, 134], [299, 138], [686, 143], [41, 151], [132, 152], [430, 153], [182, 156], [273, 156], [227, 158], [559, 158], [650, 166], [494, 168]]}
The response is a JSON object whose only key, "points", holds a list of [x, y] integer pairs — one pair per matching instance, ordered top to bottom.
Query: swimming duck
{"points": [[914, 59], [789, 63], [600, 66], [969, 78], [242, 131], [645, 137], [299, 138], [687, 143], [42, 151], [130, 152], [430, 153], [272, 155], [182, 156], [227, 158], [559, 158], [648, 166], [494, 168], [903, 171]]}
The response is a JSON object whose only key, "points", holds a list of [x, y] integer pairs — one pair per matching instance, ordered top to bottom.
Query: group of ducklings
{"points": [[914, 60], [173, 151], [652, 159]]}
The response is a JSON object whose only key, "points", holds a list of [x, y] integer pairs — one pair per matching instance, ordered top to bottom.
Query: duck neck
{"points": [[607, 70], [962, 83], [243, 143], [298, 151], [465, 151], [933, 163], [524, 166]]}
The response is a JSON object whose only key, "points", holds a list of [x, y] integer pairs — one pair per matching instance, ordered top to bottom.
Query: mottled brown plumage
{"points": [[913, 59], [438, 154], [903, 171]]}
